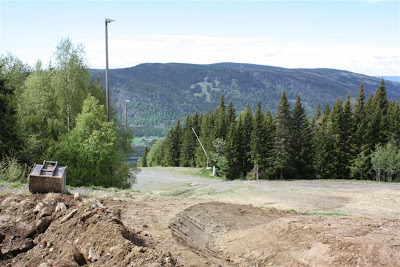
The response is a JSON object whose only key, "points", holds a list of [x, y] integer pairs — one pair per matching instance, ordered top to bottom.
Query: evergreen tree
{"points": [[380, 98], [231, 114], [317, 115], [393, 119], [359, 122], [220, 123], [244, 128], [348, 131], [206, 137], [283, 138], [258, 141], [300, 142], [173, 144], [188, 144], [323, 146], [339, 150], [232, 153], [143, 159], [269, 170]]}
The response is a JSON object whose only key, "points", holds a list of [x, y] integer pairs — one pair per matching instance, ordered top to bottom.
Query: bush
{"points": [[12, 171]]}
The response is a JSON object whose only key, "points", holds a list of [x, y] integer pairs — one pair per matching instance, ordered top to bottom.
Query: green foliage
{"points": [[40, 109], [7, 119], [283, 138], [337, 144], [92, 150], [155, 155], [218, 157], [143, 159], [385, 161], [359, 166], [12, 170]]}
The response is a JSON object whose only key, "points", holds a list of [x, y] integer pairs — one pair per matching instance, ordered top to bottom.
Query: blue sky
{"points": [[360, 36]]}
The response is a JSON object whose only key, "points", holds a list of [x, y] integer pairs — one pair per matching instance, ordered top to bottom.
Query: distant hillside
{"points": [[391, 78], [162, 93]]}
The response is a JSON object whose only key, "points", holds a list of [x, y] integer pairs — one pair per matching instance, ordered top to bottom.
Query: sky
{"points": [[361, 36]]}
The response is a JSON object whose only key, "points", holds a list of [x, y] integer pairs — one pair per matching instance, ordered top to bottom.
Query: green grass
{"points": [[189, 171], [12, 184], [328, 213]]}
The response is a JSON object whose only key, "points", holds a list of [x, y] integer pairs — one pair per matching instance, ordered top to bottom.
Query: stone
{"points": [[77, 196], [38, 207], [61, 207], [43, 223], [78, 257]]}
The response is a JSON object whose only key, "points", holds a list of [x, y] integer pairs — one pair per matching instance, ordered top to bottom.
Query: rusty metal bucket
{"points": [[48, 177]]}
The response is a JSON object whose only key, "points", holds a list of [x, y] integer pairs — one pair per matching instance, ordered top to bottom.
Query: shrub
{"points": [[13, 171]]}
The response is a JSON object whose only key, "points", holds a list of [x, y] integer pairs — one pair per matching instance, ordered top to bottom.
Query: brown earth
{"points": [[137, 229]]}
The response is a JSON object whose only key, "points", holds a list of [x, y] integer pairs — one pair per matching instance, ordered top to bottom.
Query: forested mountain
{"points": [[162, 93], [360, 140]]}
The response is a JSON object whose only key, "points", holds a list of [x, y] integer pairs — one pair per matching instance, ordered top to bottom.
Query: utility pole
{"points": [[107, 85], [126, 114]]}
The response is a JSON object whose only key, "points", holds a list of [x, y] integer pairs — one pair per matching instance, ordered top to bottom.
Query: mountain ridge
{"points": [[160, 93]]}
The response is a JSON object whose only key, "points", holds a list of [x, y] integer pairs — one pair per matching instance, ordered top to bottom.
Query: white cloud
{"points": [[127, 51]]}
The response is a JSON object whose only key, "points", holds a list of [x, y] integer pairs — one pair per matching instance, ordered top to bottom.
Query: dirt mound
{"points": [[199, 226], [58, 230], [248, 236]]}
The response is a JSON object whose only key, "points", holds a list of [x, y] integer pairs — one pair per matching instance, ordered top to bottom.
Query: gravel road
{"points": [[362, 198]]}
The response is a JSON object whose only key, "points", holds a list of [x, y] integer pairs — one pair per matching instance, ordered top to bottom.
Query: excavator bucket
{"points": [[48, 177]]}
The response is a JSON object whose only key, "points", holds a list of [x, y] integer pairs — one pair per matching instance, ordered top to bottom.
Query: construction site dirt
{"points": [[238, 227]]}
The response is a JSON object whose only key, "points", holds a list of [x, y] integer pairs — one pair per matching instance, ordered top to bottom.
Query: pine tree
{"points": [[380, 98], [231, 114], [317, 115], [393, 119], [359, 122], [220, 123], [244, 128], [348, 130], [206, 136], [282, 137], [258, 141], [300, 142], [173, 144], [188, 144], [323, 145], [232, 153], [143, 159], [269, 170]]}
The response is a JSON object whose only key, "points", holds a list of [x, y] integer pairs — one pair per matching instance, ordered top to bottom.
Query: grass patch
{"points": [[188, 171], [12, 185], [328, 214]]}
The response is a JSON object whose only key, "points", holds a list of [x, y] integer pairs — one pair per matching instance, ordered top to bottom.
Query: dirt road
{"points": [[358, 198]]}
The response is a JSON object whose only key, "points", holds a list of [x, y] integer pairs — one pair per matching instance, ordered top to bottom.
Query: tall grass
{"points": [[13, 171]]}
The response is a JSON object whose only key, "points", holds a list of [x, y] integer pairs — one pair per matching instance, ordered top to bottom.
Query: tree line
{"points": [[58, 113], [354, 139]]}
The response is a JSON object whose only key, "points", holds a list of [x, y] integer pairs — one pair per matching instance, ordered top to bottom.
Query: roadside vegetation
{"points": [[57, 112]]}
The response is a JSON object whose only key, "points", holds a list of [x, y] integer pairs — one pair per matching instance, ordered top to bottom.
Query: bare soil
{"points": [[105, 228]]}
